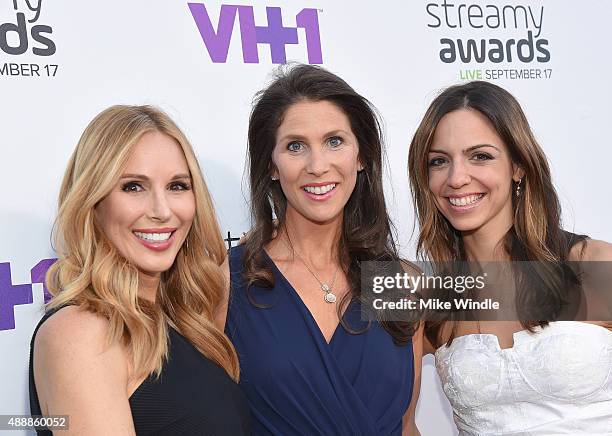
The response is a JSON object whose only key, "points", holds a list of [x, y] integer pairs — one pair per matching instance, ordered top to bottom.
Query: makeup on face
{"points": [[316, 160], [470, 172], [148, 214]]}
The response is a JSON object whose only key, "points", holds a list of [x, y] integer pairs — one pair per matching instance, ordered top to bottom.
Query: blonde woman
{"points": [[128, 345]]}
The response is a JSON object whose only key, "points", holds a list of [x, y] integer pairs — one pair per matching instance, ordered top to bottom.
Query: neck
{"points": [[315, 242], [486, 243], [148, 285]]}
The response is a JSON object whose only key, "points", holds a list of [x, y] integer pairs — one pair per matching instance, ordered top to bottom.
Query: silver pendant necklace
{"points": [[329, 296]]}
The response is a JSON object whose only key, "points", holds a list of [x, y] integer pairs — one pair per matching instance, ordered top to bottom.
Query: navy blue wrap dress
{"points": [[296, 382]]}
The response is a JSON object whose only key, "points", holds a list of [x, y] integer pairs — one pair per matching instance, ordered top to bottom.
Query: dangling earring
{"points": [[518, 187], [187, 243]]}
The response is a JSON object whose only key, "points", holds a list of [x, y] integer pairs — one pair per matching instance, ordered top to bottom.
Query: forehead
{"points": [[312, 117], [464, 128], [156, 152]]}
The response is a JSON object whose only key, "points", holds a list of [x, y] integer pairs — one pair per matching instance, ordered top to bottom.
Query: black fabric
{"points": [[192, 396]]}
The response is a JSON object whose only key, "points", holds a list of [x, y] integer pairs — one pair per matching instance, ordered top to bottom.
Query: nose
{"points": [[318, 162], [458, 175], [159, 209]]}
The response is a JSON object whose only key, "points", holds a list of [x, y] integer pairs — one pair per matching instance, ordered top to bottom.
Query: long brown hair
{"points": [[366, 233], [536, 234], [92, 274]]}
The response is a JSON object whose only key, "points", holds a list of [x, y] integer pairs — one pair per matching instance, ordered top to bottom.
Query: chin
{"points": [[323, 218], [464, 225], [155, 268]]}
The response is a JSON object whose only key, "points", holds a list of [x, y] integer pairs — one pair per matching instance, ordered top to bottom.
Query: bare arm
{"points": [[596, 279], [78, 375], [409, 427]]}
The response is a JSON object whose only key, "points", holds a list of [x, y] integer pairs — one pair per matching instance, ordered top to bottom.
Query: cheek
{"points": [[349, 163], [288, 169], [496, 179], [436, 180], [185, 208], [116, 214]]}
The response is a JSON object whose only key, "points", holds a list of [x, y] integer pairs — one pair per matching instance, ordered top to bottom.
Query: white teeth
{"points": [[319, 190], [464, 201], [154, 237]]}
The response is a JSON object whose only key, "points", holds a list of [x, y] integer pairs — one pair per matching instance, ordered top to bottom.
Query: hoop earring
{"points": [[518, 188]]}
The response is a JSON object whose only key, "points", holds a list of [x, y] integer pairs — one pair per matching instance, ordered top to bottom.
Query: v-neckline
{"points": [[305, 308]]}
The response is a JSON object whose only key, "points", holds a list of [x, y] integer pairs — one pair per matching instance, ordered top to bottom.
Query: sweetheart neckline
{"points": [[521, 334]]}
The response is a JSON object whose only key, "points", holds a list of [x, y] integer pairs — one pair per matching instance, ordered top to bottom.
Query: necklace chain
{"points": [[329, 296]]}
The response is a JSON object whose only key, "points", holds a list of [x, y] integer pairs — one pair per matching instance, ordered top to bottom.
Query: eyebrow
{"points": [[298, 137], [467, 150], [143, 177]]}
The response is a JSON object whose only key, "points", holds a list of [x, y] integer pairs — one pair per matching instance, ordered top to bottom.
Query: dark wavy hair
{"points": [[367, 232], [536, 234]]}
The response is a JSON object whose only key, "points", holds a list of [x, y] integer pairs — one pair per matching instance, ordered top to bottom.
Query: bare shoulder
{"points": [[591, 250], [72, 329], [73, 338], [77, 372]]}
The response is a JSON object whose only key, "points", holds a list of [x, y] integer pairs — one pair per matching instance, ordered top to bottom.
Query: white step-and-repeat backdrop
{"points": [[61, 62]]}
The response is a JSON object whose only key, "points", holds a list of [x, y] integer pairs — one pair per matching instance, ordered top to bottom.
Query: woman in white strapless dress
{"points": [[483, 192]]}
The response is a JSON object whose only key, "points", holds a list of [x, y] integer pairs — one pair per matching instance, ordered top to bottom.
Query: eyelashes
{"points": [[335, 141], [332, 142], [295, 146], [481, 156], [439, 161], [436, 162], [134, 186], [180, 186], [131, 187]]}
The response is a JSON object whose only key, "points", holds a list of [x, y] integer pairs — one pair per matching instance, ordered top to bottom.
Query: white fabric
{"points": [[555, 381]]}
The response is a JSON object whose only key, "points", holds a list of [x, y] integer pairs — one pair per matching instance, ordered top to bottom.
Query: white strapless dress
{"points": [[554, 382]]}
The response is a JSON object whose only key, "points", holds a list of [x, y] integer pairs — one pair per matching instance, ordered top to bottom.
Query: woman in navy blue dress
{"points": [[309, 363]]}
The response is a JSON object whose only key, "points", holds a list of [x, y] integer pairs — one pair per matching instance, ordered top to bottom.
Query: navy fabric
{"points": [[297, 383]]}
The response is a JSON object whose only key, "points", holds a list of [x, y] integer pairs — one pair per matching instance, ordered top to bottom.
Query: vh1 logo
{"points": [[275, 34]]}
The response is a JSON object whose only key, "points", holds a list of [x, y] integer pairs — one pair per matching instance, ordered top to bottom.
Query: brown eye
{"points": [[482, 156], [437, 161], [179, 186], [131, 187]]}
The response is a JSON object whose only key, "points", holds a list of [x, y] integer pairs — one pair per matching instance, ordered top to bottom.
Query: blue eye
{"points": [[335, 141], [294, 146], [131, 187]]}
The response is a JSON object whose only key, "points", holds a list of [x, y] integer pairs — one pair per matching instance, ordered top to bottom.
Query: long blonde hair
{"points": [[92, 274]]}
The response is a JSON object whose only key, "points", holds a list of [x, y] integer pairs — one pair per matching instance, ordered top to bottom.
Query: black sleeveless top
{"points": [[192, 396]]}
